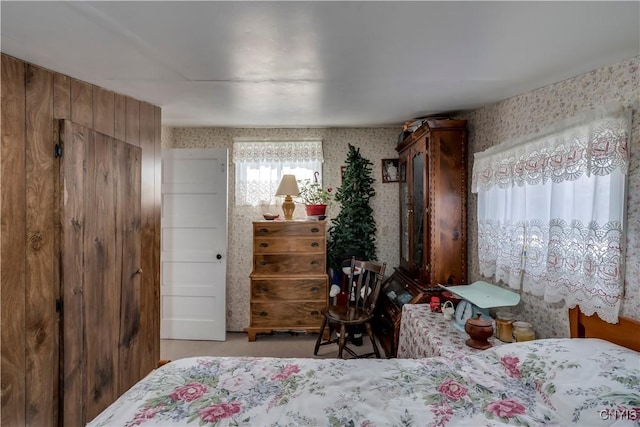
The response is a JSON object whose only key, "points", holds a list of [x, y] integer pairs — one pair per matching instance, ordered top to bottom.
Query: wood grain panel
{"points": [[61, 96], [81, 103], [103, 111], [120, 117], [132, 122], [127, 168], [157, 214], [72, 217], [277, 229], [271, 245], [31, 247], [12, 249], [148, 260], [293, 263], [41, 285], [279, 289], [102, 290], [287, 314], [625, 333]]}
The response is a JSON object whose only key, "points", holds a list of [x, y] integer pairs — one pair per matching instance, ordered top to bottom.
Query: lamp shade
{"points": [[288, 186]]}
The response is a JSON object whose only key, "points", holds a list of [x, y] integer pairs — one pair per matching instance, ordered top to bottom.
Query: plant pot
{"points": [[316, 210]]}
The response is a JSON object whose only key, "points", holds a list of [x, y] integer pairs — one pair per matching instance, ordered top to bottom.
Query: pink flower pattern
{"points": [[510, 364], [286, 372], [452, 389], [189, 392], [506, 408], [217, 412], [145, 413], [442, 413]]}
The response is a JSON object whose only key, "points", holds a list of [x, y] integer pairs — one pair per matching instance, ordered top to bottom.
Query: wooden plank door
{"points": [[194, 244], [100, 274]]}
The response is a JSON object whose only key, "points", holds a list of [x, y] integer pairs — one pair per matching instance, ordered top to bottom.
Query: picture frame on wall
{"points": [[390, 170]]}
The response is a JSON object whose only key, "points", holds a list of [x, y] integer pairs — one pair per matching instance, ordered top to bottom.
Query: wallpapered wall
{"points": [[534, 111], [516, 117], [374, 144]]}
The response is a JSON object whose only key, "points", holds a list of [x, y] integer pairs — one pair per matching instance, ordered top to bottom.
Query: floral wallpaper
{"points": [[534, 111], [516, 117], [375, 145]]}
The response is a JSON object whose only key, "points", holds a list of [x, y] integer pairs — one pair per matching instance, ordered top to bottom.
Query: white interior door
{"points": [[194, 244]]}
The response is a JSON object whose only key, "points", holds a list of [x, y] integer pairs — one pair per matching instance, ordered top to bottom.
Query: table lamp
{"points": [[288, 187]]}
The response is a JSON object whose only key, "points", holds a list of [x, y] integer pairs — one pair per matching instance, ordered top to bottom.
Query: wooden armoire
{"points": [[433, 205], [433, 222], [80, 245]]}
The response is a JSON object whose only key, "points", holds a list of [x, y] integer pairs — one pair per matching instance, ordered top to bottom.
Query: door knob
{"points": [[218, 256], [139, 270]]}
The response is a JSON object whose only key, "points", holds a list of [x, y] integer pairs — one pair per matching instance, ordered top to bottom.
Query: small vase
{"points": [[316, 210], [479, 331]]}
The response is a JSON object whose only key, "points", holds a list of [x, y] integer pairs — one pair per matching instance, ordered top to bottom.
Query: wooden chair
{"points": [[364, 281]]}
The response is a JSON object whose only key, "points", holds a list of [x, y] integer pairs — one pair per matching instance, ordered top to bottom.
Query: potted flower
{"points": [[315, 198]]}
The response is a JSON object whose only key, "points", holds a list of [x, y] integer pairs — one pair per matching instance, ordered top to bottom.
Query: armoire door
{"points": [[100, 250]]}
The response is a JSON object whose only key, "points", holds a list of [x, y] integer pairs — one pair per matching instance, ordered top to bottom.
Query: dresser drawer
{"points": [[288, 228], [265, 245], [289, 264], [281, 289], [286, 314]]}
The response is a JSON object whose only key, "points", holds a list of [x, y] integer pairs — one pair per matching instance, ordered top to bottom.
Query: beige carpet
{"points": [[277, 344]]}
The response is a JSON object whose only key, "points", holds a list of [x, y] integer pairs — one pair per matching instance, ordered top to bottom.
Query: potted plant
{"points": [[315, 198]]}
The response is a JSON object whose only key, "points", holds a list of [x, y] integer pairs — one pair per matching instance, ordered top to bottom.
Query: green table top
{"points": [[485, 295]]}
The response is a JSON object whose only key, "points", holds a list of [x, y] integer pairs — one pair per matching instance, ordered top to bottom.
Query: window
{"points": [[260, 165], [551, 212]]}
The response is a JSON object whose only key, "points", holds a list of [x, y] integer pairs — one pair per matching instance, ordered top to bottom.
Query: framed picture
{"points": [[389, 170]]}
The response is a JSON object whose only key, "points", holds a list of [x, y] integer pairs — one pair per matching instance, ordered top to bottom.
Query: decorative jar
{"points": [[504, 326], [479, 331], [523, 331]]}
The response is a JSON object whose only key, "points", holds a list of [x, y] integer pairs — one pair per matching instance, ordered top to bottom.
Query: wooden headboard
{"points": [[625, 333]]}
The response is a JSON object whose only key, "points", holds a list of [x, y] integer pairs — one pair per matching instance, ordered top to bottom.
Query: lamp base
{"points": [[288, 207]]}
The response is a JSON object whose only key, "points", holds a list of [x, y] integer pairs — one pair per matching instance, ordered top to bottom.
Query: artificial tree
{"points": [[353, 231]]}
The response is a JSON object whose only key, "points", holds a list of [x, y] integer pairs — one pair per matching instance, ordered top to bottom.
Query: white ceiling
{"points": [[319, 64]]}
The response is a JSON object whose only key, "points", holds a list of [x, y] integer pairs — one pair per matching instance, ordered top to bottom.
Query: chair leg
{"points": [[319, 340], [342, 340], [373, 340]]}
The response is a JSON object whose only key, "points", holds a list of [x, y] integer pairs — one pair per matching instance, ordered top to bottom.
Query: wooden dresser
{"points": [[289, 282]]}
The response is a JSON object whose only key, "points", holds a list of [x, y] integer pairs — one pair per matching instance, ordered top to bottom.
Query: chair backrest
{"points": [[364, 279]]}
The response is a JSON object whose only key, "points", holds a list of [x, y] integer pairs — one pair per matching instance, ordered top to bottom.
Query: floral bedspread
{"points": [[585, 382]]}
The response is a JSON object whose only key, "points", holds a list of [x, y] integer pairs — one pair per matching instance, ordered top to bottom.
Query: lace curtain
{"points": [[260, 165], [551, 212]]}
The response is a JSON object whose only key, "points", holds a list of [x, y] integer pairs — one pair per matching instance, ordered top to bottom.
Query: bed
{"points": [[585, 382]]}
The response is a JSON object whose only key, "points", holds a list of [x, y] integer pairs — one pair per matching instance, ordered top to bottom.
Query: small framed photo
{"points": [[389, 170]]}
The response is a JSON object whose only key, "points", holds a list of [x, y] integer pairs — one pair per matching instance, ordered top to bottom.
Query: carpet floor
{"points": [[276, 344]]}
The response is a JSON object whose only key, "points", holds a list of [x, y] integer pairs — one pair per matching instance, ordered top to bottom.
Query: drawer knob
{"points": [[264, 230], [315, 230], [315, 244], [264, 245], [314, 262], [263, 263], [264, 289], [315, 289], [263, 313], [315, 313]]}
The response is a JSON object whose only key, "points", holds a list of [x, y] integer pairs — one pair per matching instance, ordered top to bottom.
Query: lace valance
{"points": [[594, 144], [277, 151]]}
